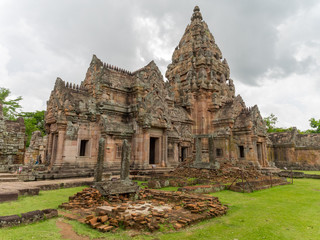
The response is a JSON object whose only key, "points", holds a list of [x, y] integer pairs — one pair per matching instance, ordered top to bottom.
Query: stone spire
{"points": [[196, 14], [197, 63]]}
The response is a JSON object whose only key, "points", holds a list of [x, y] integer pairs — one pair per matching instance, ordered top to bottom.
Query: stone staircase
{"points": [[268, 170], [65, 171], [73, 171], [8, 177]]}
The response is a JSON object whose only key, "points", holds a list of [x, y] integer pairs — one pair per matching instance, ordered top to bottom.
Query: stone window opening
{"points": [[83, 148], [118, 150], [241, 151], [219, 152]]}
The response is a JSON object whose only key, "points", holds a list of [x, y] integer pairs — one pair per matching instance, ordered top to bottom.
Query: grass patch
{"points": [[308, 172], [140, 183], [169, 188], [45, 199], [284, 212], [40, 230]]}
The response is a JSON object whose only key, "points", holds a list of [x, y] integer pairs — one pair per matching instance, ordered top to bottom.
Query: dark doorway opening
{"points": [[83, 147], [152, 151], [241, 151], [259, 151], [184, 152]]}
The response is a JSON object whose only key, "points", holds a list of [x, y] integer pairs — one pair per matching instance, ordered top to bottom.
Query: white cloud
{"points": [[149, 29], [4, 59], [294, 99]]}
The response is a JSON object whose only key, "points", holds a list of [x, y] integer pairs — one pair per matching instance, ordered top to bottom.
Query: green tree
{"points": [[9, 107], [33, 121], [271, 122], [315, 124], [271, 125]]}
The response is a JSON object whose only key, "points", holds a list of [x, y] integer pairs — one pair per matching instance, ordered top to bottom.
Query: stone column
{"points": [[60, 146], [49, 147], [54, 149], [165, 149], [198, 150], [211, 150], [125, 161], [99, 166]]}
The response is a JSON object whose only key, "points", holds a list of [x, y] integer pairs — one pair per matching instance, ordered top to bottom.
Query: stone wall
{"points": [[12, 140], [36, 149], [295, 151], [28, 217]]}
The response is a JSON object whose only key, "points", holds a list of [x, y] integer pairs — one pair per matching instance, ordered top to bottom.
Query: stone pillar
{"points": [[60, 146], [49, 147], [54, 149], [165, 149], [198, 150], [211, 150], [125, 161], [99, 167]]}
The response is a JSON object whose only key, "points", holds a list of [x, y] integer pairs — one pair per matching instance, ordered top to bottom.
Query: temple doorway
{"points": [[154, 151], [259, 152], [184, 153]]}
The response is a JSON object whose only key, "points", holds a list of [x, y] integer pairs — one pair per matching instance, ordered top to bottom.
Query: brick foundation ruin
{"points": [[152, 209]]}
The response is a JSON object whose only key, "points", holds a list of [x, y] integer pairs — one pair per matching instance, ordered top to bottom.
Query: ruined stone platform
{"points": [[259, 184]]}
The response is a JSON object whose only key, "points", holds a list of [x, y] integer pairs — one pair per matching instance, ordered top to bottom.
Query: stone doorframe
{"points": [[198, 145]]}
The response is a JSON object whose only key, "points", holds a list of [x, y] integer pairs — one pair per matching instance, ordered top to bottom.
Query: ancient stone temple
{"points": [[158, 118], [12, 140]]}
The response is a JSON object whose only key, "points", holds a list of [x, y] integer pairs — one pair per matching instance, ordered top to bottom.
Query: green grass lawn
{"points": [[45, 199], [284, 212]]}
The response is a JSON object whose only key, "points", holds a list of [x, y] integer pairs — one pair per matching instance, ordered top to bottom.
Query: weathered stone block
{"points": [[32, 216], [8, 221]]}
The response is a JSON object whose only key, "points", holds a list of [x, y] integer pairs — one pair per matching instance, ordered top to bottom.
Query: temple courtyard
{"points": [[281, 212]]}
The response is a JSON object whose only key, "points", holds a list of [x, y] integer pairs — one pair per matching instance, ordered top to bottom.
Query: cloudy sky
{"points": [[272, 47]]}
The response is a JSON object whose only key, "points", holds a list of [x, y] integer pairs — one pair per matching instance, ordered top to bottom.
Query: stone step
{"points": [[7, 175], [62, 175], [9, 179]]}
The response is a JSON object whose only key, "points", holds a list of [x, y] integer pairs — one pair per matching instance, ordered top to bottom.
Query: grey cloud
{"points": [[60, 37]]}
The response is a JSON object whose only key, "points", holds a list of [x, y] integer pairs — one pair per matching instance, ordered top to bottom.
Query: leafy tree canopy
{"points": [[9, 107], [34, 121], [271, 121], [315, 124]]}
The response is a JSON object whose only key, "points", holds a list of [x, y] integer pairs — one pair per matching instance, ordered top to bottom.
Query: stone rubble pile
{"points": [[87, 198], [153, 209]]}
